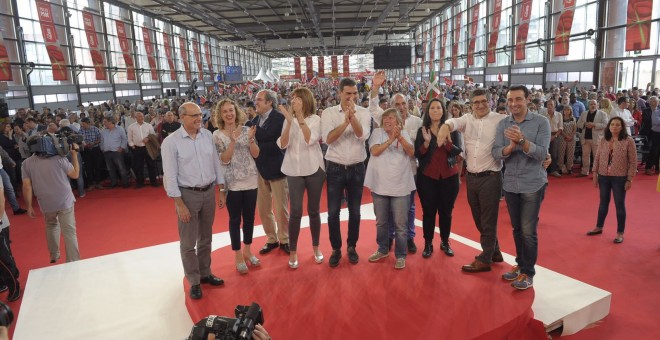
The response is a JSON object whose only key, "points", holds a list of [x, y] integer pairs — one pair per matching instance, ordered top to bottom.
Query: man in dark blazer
{"points": [[273, 190]]}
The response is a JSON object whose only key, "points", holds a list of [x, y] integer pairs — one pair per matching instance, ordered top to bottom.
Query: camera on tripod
{"points": [[50, 144], [224, 328]]}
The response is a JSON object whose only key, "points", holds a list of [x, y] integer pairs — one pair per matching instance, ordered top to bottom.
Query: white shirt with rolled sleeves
{"points": [[556, 121], [137, 133], [478, 137], [348, 149], [303, 158]]}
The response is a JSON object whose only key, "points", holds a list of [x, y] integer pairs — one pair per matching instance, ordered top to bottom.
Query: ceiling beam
{"points": [[384, 14]]}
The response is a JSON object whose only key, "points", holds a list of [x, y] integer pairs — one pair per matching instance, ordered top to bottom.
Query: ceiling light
{"points": [[428, 10], [286, 14]]}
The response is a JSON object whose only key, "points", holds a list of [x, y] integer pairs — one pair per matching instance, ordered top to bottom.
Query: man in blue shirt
{"points": [[577, 106], [522, 140], [114, 144]]}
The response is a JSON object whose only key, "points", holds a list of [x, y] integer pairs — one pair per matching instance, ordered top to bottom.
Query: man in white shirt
{"points": [[622, 111], [411, 124], [556, 127], [345, 128], [138, 136], [484, 178]]}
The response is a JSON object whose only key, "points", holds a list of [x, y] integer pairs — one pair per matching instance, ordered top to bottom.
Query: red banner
{"points": [[495, 27], [445, 28], [523, 28], [563, 31], [638, 32], [473, 34], [457, 37], [92, 40], [183, 45], [125, 49], [149, 49], [207, 53], [168, 54], [57, 58], [432, 58], [198, 60], [321, 63], [296, 66], [335, 66], [5, 68], [309, 68], [347, 72], [448, 81]]}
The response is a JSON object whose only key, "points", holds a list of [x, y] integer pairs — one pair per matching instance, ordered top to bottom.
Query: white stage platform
{"points": [[138, 295]]}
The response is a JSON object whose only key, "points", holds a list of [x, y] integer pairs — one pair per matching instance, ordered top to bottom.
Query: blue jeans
{"points": [[115, 162], [351, 179], [615, 185], [9, 190], [397, 207], [524, 212], [411, 219]]}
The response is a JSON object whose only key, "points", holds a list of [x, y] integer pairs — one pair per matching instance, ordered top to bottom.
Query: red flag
{"points": [[564, 25], [445, 27], [495, 27], [523, 28], [638, 32], [473, 34], [457, 38], [92, 40], [183, 45], [125, 49], [149, 49], [168, 55], [57, 57], [296, 65], [335, 66], [200, 67], [5, 68], [310, 70], [347, 72], [321, 73], [499, 77], [468, 80], [314, 81], [448, 81]]}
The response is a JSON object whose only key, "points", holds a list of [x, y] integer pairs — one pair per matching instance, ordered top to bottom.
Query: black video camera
{"points": [[49, 144], [6, 315], [224, 328]]}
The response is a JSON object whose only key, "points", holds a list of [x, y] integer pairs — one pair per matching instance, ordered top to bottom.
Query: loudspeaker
{"points": [[419, 51], [392, 57], [173, 92], [168, 93], [4, 109]]}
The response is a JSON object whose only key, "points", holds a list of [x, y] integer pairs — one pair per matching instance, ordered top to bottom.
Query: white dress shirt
{"points": [[626, 116], [556, 121], [137, 133], [478, 137], [348, 149], [302, 158]]}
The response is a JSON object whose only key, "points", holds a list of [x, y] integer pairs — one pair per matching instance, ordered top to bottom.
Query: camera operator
{"points": [[49, 176], [8, 270]]}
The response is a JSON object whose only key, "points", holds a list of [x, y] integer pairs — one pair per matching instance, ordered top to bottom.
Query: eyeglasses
{"points": [[480, 102], [197, 115]]}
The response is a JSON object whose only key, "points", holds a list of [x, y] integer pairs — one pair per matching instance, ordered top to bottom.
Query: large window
{"points": [[113, 14], [537, 30], [81, 43], [579, 48]]}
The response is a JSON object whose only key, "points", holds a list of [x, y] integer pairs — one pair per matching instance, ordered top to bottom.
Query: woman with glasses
{"points": [[615, 165]]}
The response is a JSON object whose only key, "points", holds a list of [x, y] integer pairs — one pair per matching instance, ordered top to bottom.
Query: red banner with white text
{"points": [[474, 25], [564, 25], [445, 28], [523, 28], [494, 31], [638, 31], [49, 32], [433, 38], [457, 38], [92, 40], [183, 45], [149, 49], [125, 50], [207, 54], [168, 55], [198, 60], [309, 64], [321, 65], [335, 66], [296, 67], [5, 68], [347, 71]]}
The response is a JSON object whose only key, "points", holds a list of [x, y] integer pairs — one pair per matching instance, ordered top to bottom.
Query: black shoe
{"points": [[125, 186], [139, 186], [20, 211], [391, 243], [444, 246], [268, 247], [285, 247], [412, 248], [428, 250], [352, 255], [335, 257], [497, 257], [54, 260], [212, 280], [3, 288], [196, 292], [15, 293]]}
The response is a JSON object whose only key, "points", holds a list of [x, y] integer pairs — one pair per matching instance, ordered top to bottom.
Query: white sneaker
{"points": [[377, 256], [400, 263]]}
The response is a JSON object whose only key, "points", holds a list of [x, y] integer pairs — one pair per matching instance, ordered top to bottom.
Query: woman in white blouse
{"points": [[237, 150], [304, 167], [390, 178]]}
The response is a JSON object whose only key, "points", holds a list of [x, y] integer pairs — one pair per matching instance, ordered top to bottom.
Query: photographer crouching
{"points": [[48, 171]]}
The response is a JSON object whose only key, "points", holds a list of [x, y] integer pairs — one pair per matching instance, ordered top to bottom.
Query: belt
{"points": [[343, 166], [483, 174], [200, 189]]}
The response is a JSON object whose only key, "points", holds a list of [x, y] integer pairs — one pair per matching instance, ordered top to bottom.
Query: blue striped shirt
{"points": [[111, 140]]}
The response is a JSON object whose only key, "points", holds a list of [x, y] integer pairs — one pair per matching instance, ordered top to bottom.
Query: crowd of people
{"points": [[268, 148]]}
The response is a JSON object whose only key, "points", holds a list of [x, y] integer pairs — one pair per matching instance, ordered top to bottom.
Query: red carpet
{"points": [[111, 221], [427, 299]]}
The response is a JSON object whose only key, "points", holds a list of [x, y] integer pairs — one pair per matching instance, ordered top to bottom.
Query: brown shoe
{"points": [[476, 267]]}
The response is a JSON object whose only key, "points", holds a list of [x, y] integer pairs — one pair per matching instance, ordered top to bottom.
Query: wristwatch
{"points": [[521, 142]]}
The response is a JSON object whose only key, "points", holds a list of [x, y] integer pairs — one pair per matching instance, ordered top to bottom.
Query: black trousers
{"points": [[140, 156], [654, 156], [92, 163], [437, 198], [241, 204], [8, 270]]}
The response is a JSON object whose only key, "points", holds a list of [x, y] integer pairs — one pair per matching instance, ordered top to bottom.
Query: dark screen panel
{"points": [[392, 57]]}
